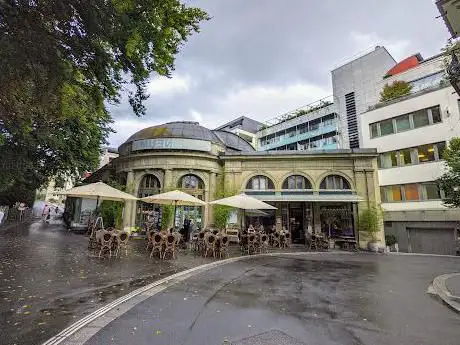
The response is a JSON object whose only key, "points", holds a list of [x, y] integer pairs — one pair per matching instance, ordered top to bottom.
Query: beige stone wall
{"points": [[169, 168], [360, 170]]}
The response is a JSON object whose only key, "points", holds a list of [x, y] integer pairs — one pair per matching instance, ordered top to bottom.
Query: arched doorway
{"points": [[193, 185], [148, 216]]}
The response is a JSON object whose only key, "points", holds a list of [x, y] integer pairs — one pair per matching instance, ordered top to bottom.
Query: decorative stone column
{"points": [[167, 180], [211, 197], [129, 214]]}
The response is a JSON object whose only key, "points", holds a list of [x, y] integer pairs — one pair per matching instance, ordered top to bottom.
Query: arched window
{"points": [[191, 182], [260, 182], [296, 182], [334, 182], [192, 185], [149, 186]]}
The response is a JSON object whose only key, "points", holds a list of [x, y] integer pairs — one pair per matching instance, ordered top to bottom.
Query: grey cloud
{"points": [[274, 43]]}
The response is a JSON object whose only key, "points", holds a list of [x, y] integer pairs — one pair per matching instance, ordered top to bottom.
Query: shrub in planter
{"points": [[369, 222]]}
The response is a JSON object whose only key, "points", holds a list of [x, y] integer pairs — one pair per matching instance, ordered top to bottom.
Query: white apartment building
{"points": [[410, 133]]}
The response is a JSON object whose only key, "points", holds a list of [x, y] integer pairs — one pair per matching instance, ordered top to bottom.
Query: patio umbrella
{"points": [[98, 190], [175, 197], [244, 202]]}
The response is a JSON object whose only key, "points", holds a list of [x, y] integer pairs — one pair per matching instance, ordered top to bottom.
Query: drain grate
{"points": [[273, 337]]}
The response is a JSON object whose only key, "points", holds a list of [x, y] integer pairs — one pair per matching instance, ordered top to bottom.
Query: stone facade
{"points": [[358, 167]]}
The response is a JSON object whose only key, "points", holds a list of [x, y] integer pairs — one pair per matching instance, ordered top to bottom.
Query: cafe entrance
{"points": [[296, 217]]}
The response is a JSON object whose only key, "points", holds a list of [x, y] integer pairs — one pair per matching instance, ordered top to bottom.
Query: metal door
{"points": [[431, 241]]}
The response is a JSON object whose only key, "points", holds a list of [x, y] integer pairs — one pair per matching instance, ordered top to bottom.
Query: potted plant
{"points": [[370, 223], [390, 241]]}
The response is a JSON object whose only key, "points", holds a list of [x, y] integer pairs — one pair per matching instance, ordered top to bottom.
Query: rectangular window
{"points": [[436, 114], [421, 118], [402, 123], [314, 125], [386, 127], [303, 128], [374, 130], [290, 132], [441, 148], [426, 153], [405, 157], [388, 160], [432, 191], [411, 192], [391, 193]]}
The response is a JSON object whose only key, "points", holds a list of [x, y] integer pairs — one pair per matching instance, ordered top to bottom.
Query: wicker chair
{"points": [[150, 236], [123, 239], [276, 239], [282, 240], [287, 242], [106, 243], [252, 243], [157, 244], [200, 244], [209, 244], [170, 246], [263, 247], [223, 249]]}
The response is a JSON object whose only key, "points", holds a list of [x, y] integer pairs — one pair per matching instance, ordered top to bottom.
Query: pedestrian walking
{"points": [[46, 213]]}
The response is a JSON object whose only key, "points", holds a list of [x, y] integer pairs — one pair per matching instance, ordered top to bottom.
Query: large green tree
{"points": [[62, 61], [450, 181]]}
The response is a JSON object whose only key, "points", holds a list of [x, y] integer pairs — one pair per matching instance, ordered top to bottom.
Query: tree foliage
{"points": [[61, 61], [397, 89], [450, 181], [112, 211], [222, 212], [370, 221]]}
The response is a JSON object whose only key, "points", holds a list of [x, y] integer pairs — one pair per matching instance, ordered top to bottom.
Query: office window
{"points": [[436, 114], [420, 118], [402, 123], [314, 125], [386, 127], [303, 128], [374, 130], [290, 132], [441, 148], [426, 153], [405, 157], [388, 160], [432, 191], [411, 192], [391, 193]]}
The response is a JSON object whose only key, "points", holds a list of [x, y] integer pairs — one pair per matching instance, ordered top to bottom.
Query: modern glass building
{"points": [[315, 127]]}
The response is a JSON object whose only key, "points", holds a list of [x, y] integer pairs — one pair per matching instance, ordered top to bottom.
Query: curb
{"points": [[439, 287], [76, 333]]}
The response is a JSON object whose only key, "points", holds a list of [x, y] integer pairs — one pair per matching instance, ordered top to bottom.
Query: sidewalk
{"points": [[453, 285], [447, 287]]}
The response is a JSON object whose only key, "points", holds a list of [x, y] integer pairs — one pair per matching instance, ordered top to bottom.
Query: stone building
{"points": [[320, 191]]}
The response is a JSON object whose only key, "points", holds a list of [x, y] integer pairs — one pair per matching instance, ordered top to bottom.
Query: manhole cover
{"points": [[270, 338]]}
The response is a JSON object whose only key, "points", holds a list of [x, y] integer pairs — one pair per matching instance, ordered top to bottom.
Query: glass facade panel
{"points": [[436, 114], [421, 118], [402, 123], [386, 127], [374, 130], [441, 147], [426, 153], [405, 157], [388, 160], [432, 191], [411, 192], [391, 193]]}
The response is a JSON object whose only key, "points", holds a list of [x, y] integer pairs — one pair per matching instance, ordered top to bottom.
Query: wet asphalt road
{"points": [[48, 279], [315, 299]]}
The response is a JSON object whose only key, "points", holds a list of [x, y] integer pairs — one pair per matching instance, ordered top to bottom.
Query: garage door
{"points": [[431, 241]]}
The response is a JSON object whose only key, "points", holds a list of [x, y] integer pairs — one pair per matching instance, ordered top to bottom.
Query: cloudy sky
{"points": [[261, 58]]}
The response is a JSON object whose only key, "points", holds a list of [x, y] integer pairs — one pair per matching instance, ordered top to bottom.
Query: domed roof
{"points": [[180, 129], [233, 141]]}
